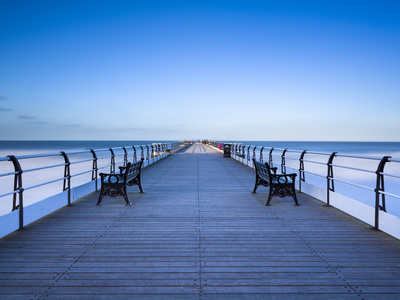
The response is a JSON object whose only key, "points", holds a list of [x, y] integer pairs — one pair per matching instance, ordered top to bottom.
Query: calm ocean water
{"points": [[39, 147], [362, 148], [374, 149]]}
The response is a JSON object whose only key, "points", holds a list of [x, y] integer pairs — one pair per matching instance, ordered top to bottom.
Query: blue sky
{"points": [[222, 70]]}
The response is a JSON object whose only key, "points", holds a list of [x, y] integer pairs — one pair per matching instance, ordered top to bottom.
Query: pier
{"points": [[198, 232]]}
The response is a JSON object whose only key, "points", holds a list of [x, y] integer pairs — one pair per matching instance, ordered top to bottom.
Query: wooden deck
{"points": [[199, 233]]}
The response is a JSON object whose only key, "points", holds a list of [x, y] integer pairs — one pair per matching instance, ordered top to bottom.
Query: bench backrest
{"points": [[133, 170], [262, 170]]}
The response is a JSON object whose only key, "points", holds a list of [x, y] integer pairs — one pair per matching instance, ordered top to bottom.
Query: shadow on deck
{"points": [[199, 233]]}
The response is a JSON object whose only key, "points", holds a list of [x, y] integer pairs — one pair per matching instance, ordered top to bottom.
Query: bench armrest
{"points": [[111, 178], [284, 178]]}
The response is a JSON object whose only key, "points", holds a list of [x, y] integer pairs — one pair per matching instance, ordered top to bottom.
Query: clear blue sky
{"points": [[222, 70]]}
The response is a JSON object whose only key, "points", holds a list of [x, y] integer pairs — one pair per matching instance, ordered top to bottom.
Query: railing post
{"points": [[254, 152], [134, 153], [142, 153], [147, 154], [248, 154], [261, 154], [125, 157], [270, 160], [283, 162], [112, 166], [94, 167], [302, 174], [67, 176], [329, 179], [18, 187], [380, 187]]}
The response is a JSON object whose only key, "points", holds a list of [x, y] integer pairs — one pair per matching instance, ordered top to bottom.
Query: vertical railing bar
{"points": [[134, 154], [142, 154], [147, 154], [261, 154], [125, 157], [270, 160], [283, 162], [112, 165], [94, 168], [302, 174], [67, 176], [329, 179], [18, 187], [380, 187]]}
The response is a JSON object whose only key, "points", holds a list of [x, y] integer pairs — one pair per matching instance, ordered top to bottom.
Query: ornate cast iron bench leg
{"points": [[283, 190]]}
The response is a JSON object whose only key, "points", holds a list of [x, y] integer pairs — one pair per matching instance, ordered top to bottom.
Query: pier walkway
{"points": [[199, 233]]}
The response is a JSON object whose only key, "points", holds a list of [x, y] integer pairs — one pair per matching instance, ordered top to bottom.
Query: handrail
{"points": [[149, 152], [282, 153]]}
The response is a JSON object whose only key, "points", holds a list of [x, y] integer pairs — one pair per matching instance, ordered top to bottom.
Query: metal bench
{"points": [[115, 185], [281, 185]]}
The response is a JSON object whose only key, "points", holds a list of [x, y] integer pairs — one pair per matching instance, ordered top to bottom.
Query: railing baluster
{"points": [[142, 153], [134, 154], [261, 154], [125, 157], [270, 160], [283, 162], [112, 165], [94, 167], [302, 175], [67, 176], [329, 179], [18, 187], [380, 187]]}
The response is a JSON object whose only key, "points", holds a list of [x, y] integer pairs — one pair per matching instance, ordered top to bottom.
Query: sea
{"points": [[39, 147], [357, 148], [352, 183]]}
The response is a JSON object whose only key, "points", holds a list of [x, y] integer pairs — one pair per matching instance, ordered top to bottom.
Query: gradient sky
{"points": [[221, 70]]}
